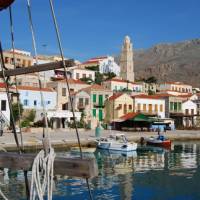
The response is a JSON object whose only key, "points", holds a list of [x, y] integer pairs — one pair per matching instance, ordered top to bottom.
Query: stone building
{"points": [[126, 60]]}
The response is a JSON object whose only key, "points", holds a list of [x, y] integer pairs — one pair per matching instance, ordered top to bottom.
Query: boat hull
{"points": [[158, 143], [117, 147]]}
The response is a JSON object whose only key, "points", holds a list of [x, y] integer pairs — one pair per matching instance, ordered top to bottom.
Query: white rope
{"points": [[42, 175]]}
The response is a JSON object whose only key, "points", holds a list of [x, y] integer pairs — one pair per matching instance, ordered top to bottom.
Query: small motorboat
{"points": [[159, 141], [116, 142]]}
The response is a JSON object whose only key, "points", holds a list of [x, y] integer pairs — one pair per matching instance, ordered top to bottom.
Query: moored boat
{"points": [[159, 141], [116, 142]]}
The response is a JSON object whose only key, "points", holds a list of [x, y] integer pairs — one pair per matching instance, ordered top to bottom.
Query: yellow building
{"points": [[117, 106]]}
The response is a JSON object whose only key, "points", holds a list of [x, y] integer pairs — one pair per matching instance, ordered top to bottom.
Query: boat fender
{"points": [[124, 146]]}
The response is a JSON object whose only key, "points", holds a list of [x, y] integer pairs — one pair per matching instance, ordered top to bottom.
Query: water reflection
{"points": [[150, 173]]}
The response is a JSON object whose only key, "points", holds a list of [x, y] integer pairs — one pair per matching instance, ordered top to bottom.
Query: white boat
{"points": [[116, 142]]}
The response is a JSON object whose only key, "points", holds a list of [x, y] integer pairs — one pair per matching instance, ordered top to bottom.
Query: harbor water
{"points": [[148, 174]]}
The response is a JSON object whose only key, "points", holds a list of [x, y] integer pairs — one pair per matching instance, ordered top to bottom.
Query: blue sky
{"points": [[97, 27]]}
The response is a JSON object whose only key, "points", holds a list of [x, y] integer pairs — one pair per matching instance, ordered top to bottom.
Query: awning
{"points": [[136, 117]]}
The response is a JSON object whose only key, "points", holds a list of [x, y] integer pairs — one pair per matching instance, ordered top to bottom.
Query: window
{"points": [[6, 60], [24, 63], [77, 75], [84, 75], [90, 76], [63, 92], [94, 98], [80, 101], [86, 101], [25, 102], [35, 102], [48, 102], [3, 105], [138, 106], [171, 106], [175, 106], [179, 106], [130, 107], [144, 107], [150, 107], [156, 107], [125, 108], [161, 108], [186, 111], [192, 111], [100, 115]]}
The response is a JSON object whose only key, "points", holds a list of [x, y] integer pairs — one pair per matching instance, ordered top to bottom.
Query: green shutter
{"points": [[94, 98], [100, 100], [171, 106], [175, 106], [94, 112], [100, 115]]}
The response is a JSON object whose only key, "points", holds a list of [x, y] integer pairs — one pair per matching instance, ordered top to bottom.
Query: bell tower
{"points": [[126, 60]]}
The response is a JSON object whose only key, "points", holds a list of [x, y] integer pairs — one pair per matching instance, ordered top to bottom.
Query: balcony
{"points": [[97, 105]]}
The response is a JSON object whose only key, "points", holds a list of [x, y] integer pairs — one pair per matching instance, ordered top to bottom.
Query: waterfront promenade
{"points": [[67, 138]]}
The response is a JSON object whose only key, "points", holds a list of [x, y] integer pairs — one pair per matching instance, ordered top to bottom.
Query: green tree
{"points": [[98, 78], [151, 79], [87, 80], [16, 111], [31, 115]]}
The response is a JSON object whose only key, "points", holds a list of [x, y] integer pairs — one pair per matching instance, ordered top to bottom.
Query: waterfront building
{"points": [[126, 60], [117, 84], [177, 87], [150, 88], [62, 91], [98, 95], [30, 97], [81, 101], [118, 105], [151, 105], [189, 110]]}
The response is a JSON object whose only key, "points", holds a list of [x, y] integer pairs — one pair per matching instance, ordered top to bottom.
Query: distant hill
{"points": [[170, 62]]}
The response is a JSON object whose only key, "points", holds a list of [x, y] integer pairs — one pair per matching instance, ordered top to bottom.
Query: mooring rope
{"points": [[68, 88], [42, 175]]}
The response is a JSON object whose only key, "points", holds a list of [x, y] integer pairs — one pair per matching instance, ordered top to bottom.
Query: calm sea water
{"points": [[149, 174]]}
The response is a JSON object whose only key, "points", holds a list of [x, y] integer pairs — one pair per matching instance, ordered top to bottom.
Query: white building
{"points": [[109, 65], [79, 73], [116, 84], [177, 87], [30, 97], [150, 105], [189, 109], [5, 111]]}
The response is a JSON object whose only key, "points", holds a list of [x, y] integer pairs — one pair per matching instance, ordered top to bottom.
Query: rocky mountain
{"points": [[170, 62]]}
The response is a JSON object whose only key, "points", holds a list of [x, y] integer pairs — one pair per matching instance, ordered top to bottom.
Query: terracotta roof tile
{"points": [[35, 88], [115, 96], [144, 96]]}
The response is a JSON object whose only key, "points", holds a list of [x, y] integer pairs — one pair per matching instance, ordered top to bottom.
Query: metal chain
{"points": [[66, 78]]}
